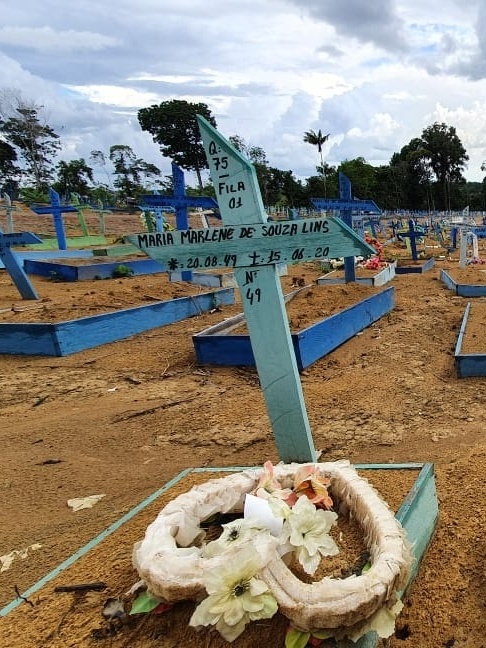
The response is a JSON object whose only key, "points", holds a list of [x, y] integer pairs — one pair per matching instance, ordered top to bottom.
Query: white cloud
{"points": [[46, 39], [372, 75]]}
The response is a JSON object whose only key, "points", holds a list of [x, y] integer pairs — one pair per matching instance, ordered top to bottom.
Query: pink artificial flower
{"points": [[309, 481], [269, 486]]}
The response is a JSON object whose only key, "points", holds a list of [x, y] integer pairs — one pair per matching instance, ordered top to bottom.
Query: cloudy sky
{"points": [[371, 74]]}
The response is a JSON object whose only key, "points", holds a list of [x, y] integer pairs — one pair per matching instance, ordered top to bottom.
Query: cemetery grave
{"points": [[470, 353], [156, 409], [166, 413]]}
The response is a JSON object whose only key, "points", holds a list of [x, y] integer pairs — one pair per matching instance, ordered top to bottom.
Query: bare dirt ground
{"points": [[123, 419]]}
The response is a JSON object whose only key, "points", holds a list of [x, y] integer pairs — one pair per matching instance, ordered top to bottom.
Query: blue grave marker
{"points": [[180, 202], [346, 204], [57, 210], [161, 223], [412, 234], [254, 247], [13, 267]]}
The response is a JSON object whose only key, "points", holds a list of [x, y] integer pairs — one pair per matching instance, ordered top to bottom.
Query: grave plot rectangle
{"points": [[416, 267], [87, 272], [380, 279], [462, 290], [65, 338], [215, 345], [468, 365], [418, 513]]}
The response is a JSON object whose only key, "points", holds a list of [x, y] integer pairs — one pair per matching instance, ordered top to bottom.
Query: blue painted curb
{"points": [[415, 269], [88, 272], [379, 279], [462, 290], [64, 338], [216, 346], [468, 365]]}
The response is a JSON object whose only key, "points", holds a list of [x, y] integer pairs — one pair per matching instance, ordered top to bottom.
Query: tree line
{"points": [[427, 174]]}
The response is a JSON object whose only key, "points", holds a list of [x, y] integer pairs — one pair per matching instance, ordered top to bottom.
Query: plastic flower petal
{"points": [[309, 481], [269, 485], [307, 529], [234, 534], [236, 595]]}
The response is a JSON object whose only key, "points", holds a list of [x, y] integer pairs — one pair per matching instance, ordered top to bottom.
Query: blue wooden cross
{"points": [[180, 202], [346, 204], [57, 210], [158, 211], [412, 234], [254, 247], [13, 267]]}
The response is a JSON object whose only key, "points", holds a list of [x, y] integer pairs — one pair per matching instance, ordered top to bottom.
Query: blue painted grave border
{"points": [[414, 269], [91, 271], [379, 279], [462, 290], [64, 338], [213, 346], [468, 365]]}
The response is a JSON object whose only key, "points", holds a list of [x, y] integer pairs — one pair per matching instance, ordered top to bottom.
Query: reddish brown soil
{"points": [[125, 418]]}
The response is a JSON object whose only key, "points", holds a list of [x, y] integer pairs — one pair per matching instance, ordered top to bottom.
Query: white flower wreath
{"points": [[174, 564]]}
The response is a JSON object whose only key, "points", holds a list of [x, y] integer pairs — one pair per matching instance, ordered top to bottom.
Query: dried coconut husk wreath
{"points": [[171, 563]]}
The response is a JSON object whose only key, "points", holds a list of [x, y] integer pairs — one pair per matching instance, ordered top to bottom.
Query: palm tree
{"points": [[317, 139]]}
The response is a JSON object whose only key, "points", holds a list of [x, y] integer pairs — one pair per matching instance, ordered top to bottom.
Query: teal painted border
{"points": [[426, 476]]}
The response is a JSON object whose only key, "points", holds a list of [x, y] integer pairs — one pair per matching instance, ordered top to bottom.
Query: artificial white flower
{"points": [[307, 530], [235, 534], [236, 595]]}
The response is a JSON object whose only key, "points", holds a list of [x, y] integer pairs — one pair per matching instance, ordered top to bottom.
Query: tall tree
{"points": [[173, 126], [318, 139], [35, 142], [446, 157], [98, 158], [131, 171], [9, 173], [73, 177]]}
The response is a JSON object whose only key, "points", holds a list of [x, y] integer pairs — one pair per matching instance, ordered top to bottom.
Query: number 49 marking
{"points": [[253, 296]]}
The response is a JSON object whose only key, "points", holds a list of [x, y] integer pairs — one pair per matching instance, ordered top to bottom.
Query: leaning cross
{"points": [[76, 202], [346, 204], [57, 210], [254, 247], [10, 261]]}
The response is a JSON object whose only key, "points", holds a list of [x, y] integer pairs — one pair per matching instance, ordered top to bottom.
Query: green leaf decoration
{"points": [[144, 602], [320, 634], [296, 639]]}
